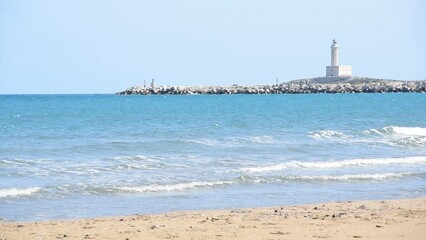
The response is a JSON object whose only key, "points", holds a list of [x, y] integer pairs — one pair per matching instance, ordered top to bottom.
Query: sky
{"points": [[102, 46]]}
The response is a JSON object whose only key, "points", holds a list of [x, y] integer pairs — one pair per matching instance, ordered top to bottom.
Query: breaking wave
{"points": [[394, 130], [327, 134], [389, 135], [400, 136], [253, 139], [232, 141], [410, 141], [206, 142], [132, 158], [22, 162], [337, 164], [350, 177], [325, 178], [172, 187], [96, 189], [16, 192]]}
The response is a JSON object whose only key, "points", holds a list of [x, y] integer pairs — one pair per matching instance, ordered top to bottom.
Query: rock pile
{"points": [[313, 85]]}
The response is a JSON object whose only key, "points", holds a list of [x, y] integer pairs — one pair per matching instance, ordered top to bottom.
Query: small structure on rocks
{"points": [[334, 70]]}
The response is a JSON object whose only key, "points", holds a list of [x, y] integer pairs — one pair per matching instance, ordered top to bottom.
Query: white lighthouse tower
{"points": [[334, 54], [335, 70]]}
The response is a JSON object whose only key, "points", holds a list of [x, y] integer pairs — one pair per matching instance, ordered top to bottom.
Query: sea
{"points": [[80, 156]]}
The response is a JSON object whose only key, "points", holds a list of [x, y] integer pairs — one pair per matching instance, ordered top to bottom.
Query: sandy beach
{"points": [[389, 219]]}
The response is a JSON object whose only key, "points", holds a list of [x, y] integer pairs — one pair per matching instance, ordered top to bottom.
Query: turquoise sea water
{"points": [[71, 156]]}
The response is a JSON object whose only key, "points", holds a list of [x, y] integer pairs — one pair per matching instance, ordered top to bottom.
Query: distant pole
{"points": [[277, 81], [144, 83]]}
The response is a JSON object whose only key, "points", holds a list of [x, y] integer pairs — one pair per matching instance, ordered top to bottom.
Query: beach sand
{"points": [[389, 219]]}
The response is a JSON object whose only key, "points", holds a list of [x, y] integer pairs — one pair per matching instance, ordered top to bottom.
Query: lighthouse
{"points": [[334, 53], [334, 70]]}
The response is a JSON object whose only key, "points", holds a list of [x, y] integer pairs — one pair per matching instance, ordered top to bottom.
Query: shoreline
{"points": [[375, 219]]}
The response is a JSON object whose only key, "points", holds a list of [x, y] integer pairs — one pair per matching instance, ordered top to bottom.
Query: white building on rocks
{"points": [[335, 70]]}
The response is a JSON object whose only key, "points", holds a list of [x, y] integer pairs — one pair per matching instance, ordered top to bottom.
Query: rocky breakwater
{"points": [[311, 85]]}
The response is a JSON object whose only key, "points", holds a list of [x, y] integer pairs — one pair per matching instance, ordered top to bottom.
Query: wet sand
{"points": [[389, 219]]}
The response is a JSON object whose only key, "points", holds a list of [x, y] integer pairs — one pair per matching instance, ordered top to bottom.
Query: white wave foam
{"points": [[395, 130], [409, 131], [327, 134], [390, 135], [400, 136], [253, 139], [234, 141], [413, 141], [206, 142], [120, 158], [23, 162], [337, 164], [269, 168], [349, 177], [172, 187], [15, 192]]}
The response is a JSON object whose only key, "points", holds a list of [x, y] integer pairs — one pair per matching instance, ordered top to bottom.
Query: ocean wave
{"points": [[395, 130], [408, 131], [327, 134], [389, 135], [400, 136], [252, 139], [232, 141], [410, 141], [205, 142], [132, 158], [4, 162], [22, 162], [336, 164], [96, 167], [119, 167], [267, 168], [91, 170], [349, 177], [247, 179], [171, 187], [85, 189], [16, 192]]}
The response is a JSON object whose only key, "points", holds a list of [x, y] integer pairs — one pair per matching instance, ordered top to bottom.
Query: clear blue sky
{"points": [[100, 46]]}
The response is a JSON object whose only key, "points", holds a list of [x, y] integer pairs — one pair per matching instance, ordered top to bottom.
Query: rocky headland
{"points": [[308, 85]]}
